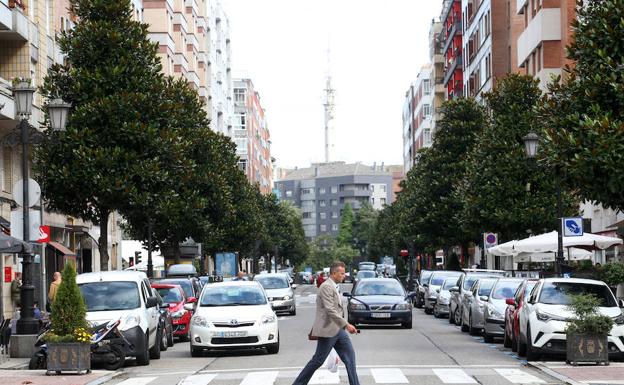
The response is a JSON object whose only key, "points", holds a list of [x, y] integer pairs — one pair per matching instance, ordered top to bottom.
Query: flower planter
{"points": [[587, 348], [69, 357]]}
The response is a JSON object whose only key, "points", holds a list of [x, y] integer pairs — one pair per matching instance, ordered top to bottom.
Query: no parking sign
{"points": [[490, 240]]}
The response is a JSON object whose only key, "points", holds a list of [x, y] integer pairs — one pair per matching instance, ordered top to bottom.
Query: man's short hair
{"points": [[335, 265]]}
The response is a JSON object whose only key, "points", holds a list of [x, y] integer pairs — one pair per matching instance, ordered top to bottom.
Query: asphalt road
{"points": [[433, 352]]}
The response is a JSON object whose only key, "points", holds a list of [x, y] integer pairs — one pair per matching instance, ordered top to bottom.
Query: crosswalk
{"points": [[477, 374]]}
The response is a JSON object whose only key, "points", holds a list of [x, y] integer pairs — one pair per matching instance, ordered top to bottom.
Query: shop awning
{"points": [[61, 249]]}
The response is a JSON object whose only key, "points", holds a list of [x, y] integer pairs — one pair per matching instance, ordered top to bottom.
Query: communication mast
{"points": [[329, 112]]}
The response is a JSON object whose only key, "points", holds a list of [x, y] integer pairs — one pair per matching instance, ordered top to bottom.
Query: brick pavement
{"points": [[585, 374], [39, 377]]}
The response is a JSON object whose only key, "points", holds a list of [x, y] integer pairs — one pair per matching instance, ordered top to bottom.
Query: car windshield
{"points": [[367, 267], [366, 274], [424, 276], [438, 279], [469, 281], [272, 282], [185, 283], [449, 283], [485, 287], [379, 288], [505, 289], [560, 293], [170, 294], [106, 296], [232, 296]]}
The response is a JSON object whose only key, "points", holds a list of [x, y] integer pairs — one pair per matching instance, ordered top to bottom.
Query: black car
{"points": [[423, 278], [191, 285], [379, 301], [166, 322]]}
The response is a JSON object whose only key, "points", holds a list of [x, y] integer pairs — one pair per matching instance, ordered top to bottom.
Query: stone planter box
{"points": [[587, 348], [69, 357]]}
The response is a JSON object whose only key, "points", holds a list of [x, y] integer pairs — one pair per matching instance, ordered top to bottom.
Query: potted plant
{"points": [[587, 331], [69, 339]]}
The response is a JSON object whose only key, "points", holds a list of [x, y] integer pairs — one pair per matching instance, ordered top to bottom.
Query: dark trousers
{"points": [[342, 343]]}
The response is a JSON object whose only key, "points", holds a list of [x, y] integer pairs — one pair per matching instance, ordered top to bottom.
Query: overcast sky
{"points": [[377, 49]]}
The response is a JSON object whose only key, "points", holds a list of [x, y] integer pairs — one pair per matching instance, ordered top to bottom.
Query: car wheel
{"points": [[418, 302], [428, 310], [294, 312], [436, 314], [451, 317], [458, 317], [408, 324], [464, 327], [471, 330], [488, 339], [506, 339], [163, 341], [170, 341], [514, 343], [273, 348], [522, 348], [155, 350], [196, 352], [532, 353], [144, 357]]}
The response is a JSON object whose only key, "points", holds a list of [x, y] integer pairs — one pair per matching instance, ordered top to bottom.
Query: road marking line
{"points": [[472, 366], [324, 376], [389, 376], [454, 376], [518, 376], [259, 378], [198, 379], [137, 381]]}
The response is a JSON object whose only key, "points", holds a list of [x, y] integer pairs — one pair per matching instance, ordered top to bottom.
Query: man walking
{"points": [[331, 328]]}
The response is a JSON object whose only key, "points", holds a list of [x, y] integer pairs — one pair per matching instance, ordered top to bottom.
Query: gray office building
{"points": [[322, 190]]}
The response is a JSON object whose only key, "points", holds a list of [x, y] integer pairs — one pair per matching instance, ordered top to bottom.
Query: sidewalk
{"points": [[583, 374]]}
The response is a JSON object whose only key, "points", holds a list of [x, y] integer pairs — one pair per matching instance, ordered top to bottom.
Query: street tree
{"points": [[584, 114], [111, 145], [364, 227], [345, 231]]}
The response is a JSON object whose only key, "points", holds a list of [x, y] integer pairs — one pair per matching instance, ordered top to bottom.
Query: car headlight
{"points": [[286, 298], [443, 300], [357, 306], [403, 306], [178, 314], [496, 314], [545, 317], [267, 319], [619, 320], [132, 321], [199, 321]]}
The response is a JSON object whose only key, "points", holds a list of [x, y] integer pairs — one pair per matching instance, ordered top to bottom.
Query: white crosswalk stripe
{"points": [[389, 376], [454, 376], [517, 376], [260, 378], [198, 379], [138, 381]]}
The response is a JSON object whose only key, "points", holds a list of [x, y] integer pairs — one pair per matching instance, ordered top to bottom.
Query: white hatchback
{"points": [[234, 314], [543, 319]]}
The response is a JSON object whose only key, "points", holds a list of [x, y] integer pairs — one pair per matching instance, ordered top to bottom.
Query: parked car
{"points": [[367, 266], [181, 270], [362, 274], [423, 278], [435, 282], [191, 285], [463, 289], [279, 291], [127, 295], [173, 296], [379, 301], [473, 304], [441, 306], [495, 306], [234, 314], [543, 319], [166, 323], [510, 339]]}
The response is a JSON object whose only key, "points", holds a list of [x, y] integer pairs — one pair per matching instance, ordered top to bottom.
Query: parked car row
{"points": [[527, 315]]}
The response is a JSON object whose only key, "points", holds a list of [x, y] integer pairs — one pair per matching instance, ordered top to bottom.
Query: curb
{"points": [[553, 373], [103, 379]]}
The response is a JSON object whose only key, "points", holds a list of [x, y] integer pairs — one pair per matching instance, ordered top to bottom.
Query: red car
{"points": [[174, 296], [512, 328]]}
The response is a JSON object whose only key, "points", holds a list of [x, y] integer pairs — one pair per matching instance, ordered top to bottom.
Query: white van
{"points": [[126, 295]]}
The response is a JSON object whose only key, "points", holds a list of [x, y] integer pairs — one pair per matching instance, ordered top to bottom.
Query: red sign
{"points": [[44, 234], [404, 253], [8, 274]]}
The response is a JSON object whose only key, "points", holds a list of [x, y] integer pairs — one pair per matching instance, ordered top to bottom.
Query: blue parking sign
{"points": [[572, 227]]}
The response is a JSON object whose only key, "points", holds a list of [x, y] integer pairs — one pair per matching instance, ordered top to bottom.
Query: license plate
{"points": [[380, 315], [232, 334]]}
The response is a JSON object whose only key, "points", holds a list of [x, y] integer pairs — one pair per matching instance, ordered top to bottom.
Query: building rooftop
{"points": [[321, 170]]}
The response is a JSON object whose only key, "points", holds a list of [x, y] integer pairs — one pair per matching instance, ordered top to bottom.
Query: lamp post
{"points": [[26, 135], [531, 146]]}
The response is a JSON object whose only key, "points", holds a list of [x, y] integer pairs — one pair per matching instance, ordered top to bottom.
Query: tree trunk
{"points": [[103, 240], [176, 251]]}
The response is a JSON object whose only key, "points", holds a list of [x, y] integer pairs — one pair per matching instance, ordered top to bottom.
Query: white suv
{"points": [[127, 295], [543, 319]]}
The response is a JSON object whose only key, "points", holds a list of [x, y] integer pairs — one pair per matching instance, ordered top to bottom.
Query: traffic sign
{"points": [[34, 192], [572, 227], [490, 240]]}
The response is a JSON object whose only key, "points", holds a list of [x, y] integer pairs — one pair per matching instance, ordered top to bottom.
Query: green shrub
{"points": [[613, 273], [68, 311], [587, 320]]}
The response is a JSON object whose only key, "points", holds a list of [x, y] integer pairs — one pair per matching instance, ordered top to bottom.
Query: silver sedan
{"points": [[473, 306]]}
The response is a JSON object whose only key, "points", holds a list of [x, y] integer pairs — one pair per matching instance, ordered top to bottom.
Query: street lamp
{"points": [[25, 134], [531, 146]]}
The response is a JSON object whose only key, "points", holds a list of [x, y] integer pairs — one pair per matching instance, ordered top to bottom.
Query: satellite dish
{"points": [[34, 192]]}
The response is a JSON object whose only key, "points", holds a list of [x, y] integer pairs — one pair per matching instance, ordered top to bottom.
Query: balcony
{"points": [[13, 23], [545, 26], [455, 30], [455, 65]]}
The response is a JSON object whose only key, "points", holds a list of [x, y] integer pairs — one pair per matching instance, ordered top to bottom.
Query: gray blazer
{"points": [[329, 312]]}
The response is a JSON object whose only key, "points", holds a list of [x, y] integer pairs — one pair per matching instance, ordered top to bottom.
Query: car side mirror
{"points": [[425, 285], [294, 286], [454, 289], [348, 295], [484, 298], [191, 300], [510, 301], [151, 302], [164, 306], [188, 306]]}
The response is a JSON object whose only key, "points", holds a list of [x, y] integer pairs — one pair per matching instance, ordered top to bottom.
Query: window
{"points": [[427, 86], [239, 95], [426, 110], [240, 121], [242, 165], [372, 187], [382, 187], [334, 189], [321, 190], [306, 191], [289, 193], [373, 201], [383, 201], [334, 202], [322, 203], [334, 214], [308, 215], [323, 215], [334, 227], [323, 228]]}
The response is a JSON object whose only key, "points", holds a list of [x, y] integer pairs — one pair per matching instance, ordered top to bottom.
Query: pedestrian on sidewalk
{"points": [[320, 279], [54, 285], [16, 288], [331, 328]]}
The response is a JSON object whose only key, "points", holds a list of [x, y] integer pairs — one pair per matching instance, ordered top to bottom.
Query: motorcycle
{"points": [[108, 347]]}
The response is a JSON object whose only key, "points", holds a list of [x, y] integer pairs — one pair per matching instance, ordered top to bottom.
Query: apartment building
{"points": [[491, 30], [545, 32], [451, 35], [28, 48], [436, 58], [220, 104], [418, 116], [251, 135], [322, 190]]}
